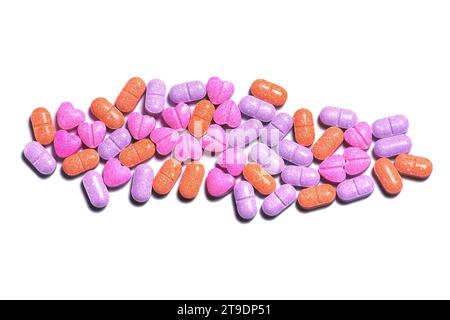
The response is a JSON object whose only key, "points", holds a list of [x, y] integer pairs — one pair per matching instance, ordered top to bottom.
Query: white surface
{"points": [[385, 58]]}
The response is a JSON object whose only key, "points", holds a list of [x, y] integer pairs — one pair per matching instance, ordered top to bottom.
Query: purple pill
{"points": [[187, 92], [155, 96], [256, 108], [338, 117], [391, 126], [277, 129], [245, 134], [116, 142], [392, 146], [295, 153], [39, 158], [267, 158], [300, 176], [141, 185], [356, 188], [96, 189], [244, 197], [279, 200]]}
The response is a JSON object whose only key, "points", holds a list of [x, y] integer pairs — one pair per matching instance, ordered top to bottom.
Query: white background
{"points": [[379, 58]]}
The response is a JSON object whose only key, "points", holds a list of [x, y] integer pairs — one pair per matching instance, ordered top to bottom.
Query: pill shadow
{"points": [[169, 102], [40, 175], [67, 177], [210, 197], [86, 198], [184, 200], [136, 203], [343, 203], [308, 211], [265, 216]]}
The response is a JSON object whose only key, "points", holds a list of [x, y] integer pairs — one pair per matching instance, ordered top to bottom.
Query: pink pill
{"points": [[218, 90], [187, 92], [155, 96], [256, 108], [228, 114], [68, 117], [177, 117], [338, 117], [140, 125], [277, 129], [247, 132], [92, 134], [360, 136], [215, 139], [165, 140], [66, 143], [187, 148], [295, 153], [39, 158], [267, 158], [233, 160], [356, 161], [333, 169], [115, 174], [300, 176], [219, 183], [356, 188], [279, 200]]}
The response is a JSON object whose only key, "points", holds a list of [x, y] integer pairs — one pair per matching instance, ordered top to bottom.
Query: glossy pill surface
{"points": [[187, 92], [269, 92], [130, 95], [155, 96], [256, 108], [104, 111], [338, 117], [201, 118], [41, 121], [391, 126], [304, 127], [277, 129], [245, 134], [114, 143], [328, 143], [392, 146], [137, 152], [295, 153], [40, 158], [266, 158], [80, 162], [413, 166], [167, 176], [300, 176], [388, 176], [259, 178], [191, 180], [141, 184], [95, 188], [355, 189], [316, 197], [245, 200], [279, 200]]}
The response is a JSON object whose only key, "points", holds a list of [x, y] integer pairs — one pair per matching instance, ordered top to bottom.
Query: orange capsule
{"points": [[269, 92], [130, 95], [103, 110], [201, 118], [42, 124], [304, 127], [328, 143], [137, 152], [80, 162], [413, 166], [388, 176], [166, 177], [259, 178], [191, 180], [315, 197]]}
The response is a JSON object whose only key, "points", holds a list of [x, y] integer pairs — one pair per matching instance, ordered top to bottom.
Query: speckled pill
{"points": [[187, 92], [269, 92], [130, 95], [155, 96], [256, 108], [104, 111], [338, 117], [201, 118], [391, 126], [304, 127], [277, 129], [43, 130], [245, 134], [359, 136], [215, 139], [117, 141], [328, 143], [392, 146], [137, 152], [295, 153], [39, 158], [267, 158], [232, 160], [80, 162], [413, 166], [167, 176], [300, 176], [388, 176], [259, 178], [191, 180], [141, 184], [96, 189], [355, 189], [316, 197], [245, 200], [279, 200]]}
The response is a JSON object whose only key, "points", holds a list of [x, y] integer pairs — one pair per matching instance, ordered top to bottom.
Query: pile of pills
{"points": [[218, 126]]}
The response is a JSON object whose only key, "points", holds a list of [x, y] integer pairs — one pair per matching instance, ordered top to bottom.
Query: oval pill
{"points": [[187, 92], [269, 92], [130, 95], [155, 96], [256, 108], [104, 111], [338, 117], [201, 118], [391, 126], [304, 127], [277, 129], [43, 130], [245, 134], [118, 140], [328, 143], [392, 146], [137, 152], [295, 153], [39, 158], [266, 158], [80, 162], [413, 166], [167, 176], [300, 176], [388, 176], [259, 178], [191, 180], [141, 184], [96, 189], [355, 189], [316, 197], [245, 200], [279, 200]]}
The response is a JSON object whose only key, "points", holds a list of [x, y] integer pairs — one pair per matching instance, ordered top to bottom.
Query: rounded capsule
{"points": [[187, 92], [269, 92], [130, 95], [155, 96], [256, 108], [104, 111], [338, 117], [201, 118], [41, 121], [391, 126], [304, 127], [277, 129], [245, 134], [117, 141], [328, 143], [392, 146], [137, 153], [295, 153], [39, 158], [266, 158], [80, 162], [413, 166], [167, 176], [300, 176], [388, 176], [259, 178], [191, 180], [141, 184], [96, 189], [355, 189], [316, 197], [245, 200], [279, 200]]}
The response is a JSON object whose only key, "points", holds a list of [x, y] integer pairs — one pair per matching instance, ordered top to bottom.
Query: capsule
{"points": [[187, 92], [269, 92], [130, 95], [155, 96], [256, 108], [104, 111], [338, 117], [201, 118], [42, 124], [391, 126], [304, 127], [277, 129], [245, 134], [117, 141], [328, 143], [392, 146], [137, 152], [295, 153], [39, 158], [266, 158], [80, 162], [413, 166], [167, 176], [300, 176], [388, 176], [260, 179], [191, 180], [141, 184], [96, 189], [355, 189], [316, 197], [245, 200], [279, 200]]}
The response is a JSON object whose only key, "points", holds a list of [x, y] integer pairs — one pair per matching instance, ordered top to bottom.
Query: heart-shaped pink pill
{"points": [[219, 91], [228, 113], [68, 117], [177, 117], [140, 125], [92, 134], [360, 136], [215, 139], [165, 140], [66, 143], [187, 148], [233, 160], [356, 161], [333, 169], [115, 174], [219, 183]]}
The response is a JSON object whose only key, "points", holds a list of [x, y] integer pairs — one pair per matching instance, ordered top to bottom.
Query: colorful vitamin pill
{"points": [[218, 90], [187, 92], [269, 92], [130, 95], [155, 96], [256, 108], [104, 111], [228, 113], [68, 117], [177, 117], [338, 117], [201, 118], [42, 124], [140, 125], [391, 126], [304, 127], [277, 129], [92, 134], [245, 134], [360, 136], [215, 139], [165, 140], [117, 141], [66, 143], [328, 143], [392, 146], [187, 148], [137, 152], [295, 153], [39, 158], [266, 158], [232, 160], [356, 161], [80, 162], [413, 166], [333, 169], [115, 174], [167, 176], [300, 176], [388, 176], [259, 178], [191, 180], [219, 183], [141, 184], [95, 189], [355, 189], [315, 197], [245, 200], [279, 200]]}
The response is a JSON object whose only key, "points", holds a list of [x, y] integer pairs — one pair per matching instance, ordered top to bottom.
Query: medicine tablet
{"points": [[187, 92], [269, 92], [130, 95], [155, 96], [256, 108], [104, 111], [338, 117], [201, 118], [42, 124], [391, 126], [304, 127], [277, 129], [245, 134], [118, 140], [328, 143], [392, 146], [137, 152], [295, 153], [39, 158], [267, 158], [80, 162], [413, 166], [167, 176], [300, 176], [388, 176], [259, 178], [191, 180], [141, 184], [95, 188], [355, 189], [316, 197], [245, 200], [279, 200]]}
